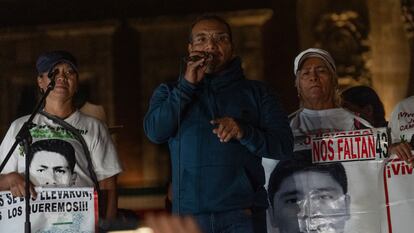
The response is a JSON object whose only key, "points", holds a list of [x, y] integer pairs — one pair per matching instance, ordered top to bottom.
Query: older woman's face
{"points": [[66, 81], [315, 81]]}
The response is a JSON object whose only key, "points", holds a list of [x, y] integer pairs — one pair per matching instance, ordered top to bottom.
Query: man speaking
{"points": [[218, 126]]}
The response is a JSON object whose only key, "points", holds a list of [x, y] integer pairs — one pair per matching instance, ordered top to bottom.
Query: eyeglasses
{"points": [[202, 39], [318, 71]]}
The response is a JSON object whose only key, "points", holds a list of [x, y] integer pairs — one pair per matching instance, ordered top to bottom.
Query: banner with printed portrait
{"points": [[363, 155], [347, 185], [54, 210]]}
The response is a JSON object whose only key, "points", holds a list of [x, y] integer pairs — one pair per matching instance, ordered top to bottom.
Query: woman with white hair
{"points": [[317, 85]]}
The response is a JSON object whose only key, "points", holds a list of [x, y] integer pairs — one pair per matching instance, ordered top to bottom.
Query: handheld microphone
{"points": [[195, 58]]}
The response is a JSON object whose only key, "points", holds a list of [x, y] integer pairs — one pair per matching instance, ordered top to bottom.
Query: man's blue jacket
{"points": [[208, 175]]}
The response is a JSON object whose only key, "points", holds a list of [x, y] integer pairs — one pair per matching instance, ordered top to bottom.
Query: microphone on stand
{"points": [[52, 73], [52, 76]]}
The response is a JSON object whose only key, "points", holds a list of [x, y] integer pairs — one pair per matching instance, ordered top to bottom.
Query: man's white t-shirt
{"points": [[402, 121], [306, 122], [102, 150]]}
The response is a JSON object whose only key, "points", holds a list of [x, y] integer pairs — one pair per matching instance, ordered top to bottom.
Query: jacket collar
{"points": [[230, 74]]}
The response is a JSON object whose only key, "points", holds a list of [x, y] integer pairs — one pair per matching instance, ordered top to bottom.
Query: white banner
{"points": [[349, 187], [399, 197], [54, 210]]}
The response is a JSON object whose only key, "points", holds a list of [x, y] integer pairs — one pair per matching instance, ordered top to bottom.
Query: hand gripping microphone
{"points": [[195, 58]]}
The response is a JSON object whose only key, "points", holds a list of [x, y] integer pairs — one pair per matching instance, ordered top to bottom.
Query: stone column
{"points": [[390, 65]]}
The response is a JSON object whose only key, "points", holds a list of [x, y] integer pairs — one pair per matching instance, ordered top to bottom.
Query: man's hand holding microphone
{"points": [[198, 64]]}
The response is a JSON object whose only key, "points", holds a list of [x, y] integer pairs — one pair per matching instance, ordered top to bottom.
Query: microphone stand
{"points": [[24, 138]]}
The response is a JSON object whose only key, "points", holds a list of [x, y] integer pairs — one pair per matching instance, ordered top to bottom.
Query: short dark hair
{"points": [[210, 17], [363, 96], [58, 146], [287, 168]]}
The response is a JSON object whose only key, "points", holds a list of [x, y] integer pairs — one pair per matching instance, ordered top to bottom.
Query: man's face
{"points": [[213, 37], [315, 81], [66, 82], [50, 168], [311, 202]]}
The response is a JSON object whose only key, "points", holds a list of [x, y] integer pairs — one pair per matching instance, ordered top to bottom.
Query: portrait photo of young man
{"points": [[52, 163], [308, 197]]}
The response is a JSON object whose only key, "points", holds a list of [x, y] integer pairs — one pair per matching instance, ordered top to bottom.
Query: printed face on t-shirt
{"points": [[50, 168], [310, 201]]}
